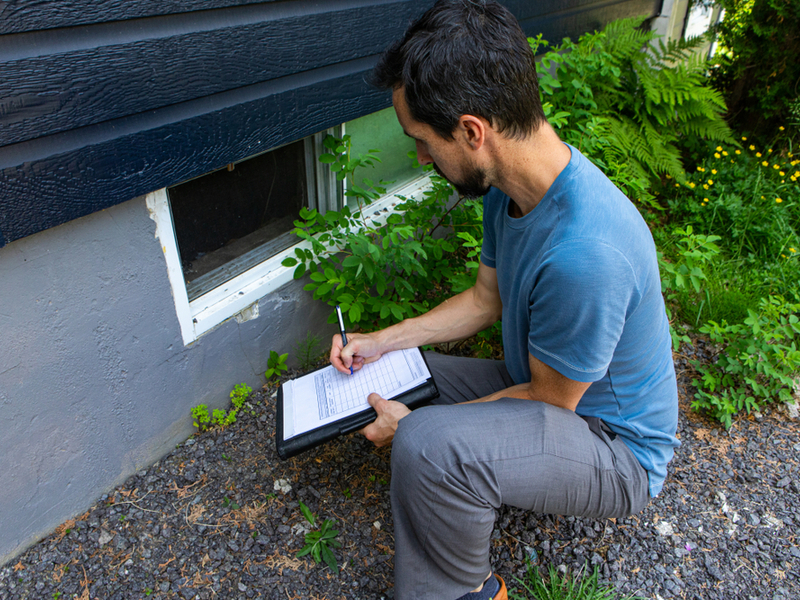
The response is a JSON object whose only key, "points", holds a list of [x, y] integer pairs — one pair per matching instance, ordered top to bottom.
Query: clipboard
{"points": [[418, 396]]}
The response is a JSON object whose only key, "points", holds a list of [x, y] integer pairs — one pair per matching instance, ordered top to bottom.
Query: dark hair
{"points": [[465, 57]]}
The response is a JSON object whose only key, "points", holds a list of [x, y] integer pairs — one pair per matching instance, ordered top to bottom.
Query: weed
{"points": [[307, 351], [276, 364], [219, 417], [226, 457], [347, 493], [319, 543], [579, 587]]}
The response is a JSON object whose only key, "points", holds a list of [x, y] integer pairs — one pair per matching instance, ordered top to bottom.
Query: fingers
{"points": [[361, 349], [381, 431]]}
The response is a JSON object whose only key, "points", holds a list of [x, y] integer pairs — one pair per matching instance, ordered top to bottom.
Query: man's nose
{"points": [[422, 154]]}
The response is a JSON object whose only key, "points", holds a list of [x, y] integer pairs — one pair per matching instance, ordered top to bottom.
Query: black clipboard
{"points": [[414, 398]]}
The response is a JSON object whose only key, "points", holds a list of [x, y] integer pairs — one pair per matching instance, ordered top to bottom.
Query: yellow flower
{"points": [[781, 127], [744, 139], [752, 147], [719, 148], [769, 151], [738, 152], [724, 153], [716, 154], [758, 154], [790, 155], [765, 163], [776, 166], [701, 169], [713, 171], [781, 173], [797, 173], [669, 176], [710, 182], [677, 185], [691, 185], [705, 187], [762, 197], [705, 199], [778, 200], [792, 250], [783, 256]]}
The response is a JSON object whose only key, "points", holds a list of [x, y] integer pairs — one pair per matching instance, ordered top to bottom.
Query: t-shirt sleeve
{"points": [[584, 291]]}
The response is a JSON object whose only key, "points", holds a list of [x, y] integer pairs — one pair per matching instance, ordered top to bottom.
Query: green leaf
{"points": [[327, 158], [299, 271], [307, 513], [329, 559]]}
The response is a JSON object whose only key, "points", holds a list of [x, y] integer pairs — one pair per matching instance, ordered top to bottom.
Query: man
{"points": [[580, 418]]}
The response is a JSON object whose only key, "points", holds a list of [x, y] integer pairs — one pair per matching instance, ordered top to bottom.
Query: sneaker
{"points": [[502, 593]]}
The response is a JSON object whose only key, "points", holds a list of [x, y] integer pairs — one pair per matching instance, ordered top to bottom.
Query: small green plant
{"points": [[307, 351], [756, 361], [276, 364], [239, 394], [201, 417], [220, 417], [226, 458], [347, 493], [227, 502], [319, 543], [579, 587], [148, 591]]}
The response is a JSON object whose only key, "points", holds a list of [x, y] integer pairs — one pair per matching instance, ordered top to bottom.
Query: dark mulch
{"points": [[219, 518]]}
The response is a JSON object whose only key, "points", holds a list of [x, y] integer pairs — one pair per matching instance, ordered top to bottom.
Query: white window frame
{"points": [[230, 299]]}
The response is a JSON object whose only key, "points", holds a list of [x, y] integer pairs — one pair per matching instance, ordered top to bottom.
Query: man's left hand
{"points": [[381, 431]]}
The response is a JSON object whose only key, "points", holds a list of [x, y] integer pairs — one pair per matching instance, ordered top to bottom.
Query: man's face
{"points": [[446, 156]]}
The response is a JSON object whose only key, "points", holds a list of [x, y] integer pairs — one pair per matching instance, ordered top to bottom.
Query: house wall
{"points": [[104, 101], [95, 381]]}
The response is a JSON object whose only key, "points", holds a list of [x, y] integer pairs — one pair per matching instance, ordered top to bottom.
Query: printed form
{"points": [[327, 395]]}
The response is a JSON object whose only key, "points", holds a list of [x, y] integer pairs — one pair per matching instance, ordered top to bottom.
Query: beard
{"points": [[472, 186]]}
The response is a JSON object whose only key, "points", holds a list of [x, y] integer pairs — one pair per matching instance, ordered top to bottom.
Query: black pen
{"points": [[341, 329]]}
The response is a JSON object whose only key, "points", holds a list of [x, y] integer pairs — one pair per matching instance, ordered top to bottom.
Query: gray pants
{"points": [[452, 466]]}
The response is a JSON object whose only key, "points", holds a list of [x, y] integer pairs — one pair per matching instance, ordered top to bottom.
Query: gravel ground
{"points": [[219, 518]]}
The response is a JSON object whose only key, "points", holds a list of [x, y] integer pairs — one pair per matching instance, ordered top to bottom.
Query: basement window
{"points": [[225, 233]]}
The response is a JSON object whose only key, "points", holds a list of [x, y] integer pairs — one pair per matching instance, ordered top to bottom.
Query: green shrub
{"points": [[627, 108], [379, 273], [755, 362]]}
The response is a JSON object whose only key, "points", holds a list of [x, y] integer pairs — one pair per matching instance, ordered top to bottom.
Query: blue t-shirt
{"points": [[579, 281]]}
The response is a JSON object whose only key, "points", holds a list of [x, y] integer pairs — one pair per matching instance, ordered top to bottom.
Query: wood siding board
{"points": [[30, 15], [67, 91], [44, 193]]}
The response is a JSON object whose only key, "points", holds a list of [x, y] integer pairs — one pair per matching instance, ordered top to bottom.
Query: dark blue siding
{"points": [[105, 100]]}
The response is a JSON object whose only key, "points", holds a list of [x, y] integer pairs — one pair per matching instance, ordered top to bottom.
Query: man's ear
{"points": [[473, 129]]}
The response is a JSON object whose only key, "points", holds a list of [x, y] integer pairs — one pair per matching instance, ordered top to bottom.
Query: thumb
{"points": [[376, 402]]}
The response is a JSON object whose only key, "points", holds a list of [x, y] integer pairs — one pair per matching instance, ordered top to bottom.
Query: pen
{"points": [[341, 329]]}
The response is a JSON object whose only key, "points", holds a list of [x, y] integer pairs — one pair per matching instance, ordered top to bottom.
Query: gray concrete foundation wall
{"points": [[95, 382]]}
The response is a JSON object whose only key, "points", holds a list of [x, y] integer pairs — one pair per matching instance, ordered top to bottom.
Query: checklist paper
{"points": [[327, 396]]}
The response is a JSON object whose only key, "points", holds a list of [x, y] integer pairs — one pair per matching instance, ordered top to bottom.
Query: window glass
{"points": [[381, 130]]}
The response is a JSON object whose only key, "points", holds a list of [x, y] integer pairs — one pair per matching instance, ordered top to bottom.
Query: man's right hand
{"points": [[361, 349]]}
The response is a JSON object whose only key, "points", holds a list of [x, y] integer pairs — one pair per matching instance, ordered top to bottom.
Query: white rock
{"points": [[282, 485], [377, 524], [665, 528], [105, 537]]}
